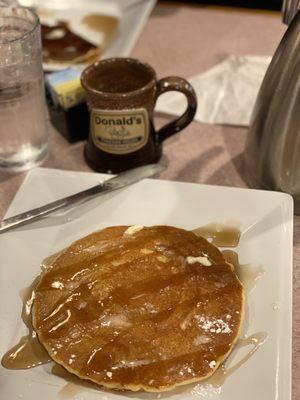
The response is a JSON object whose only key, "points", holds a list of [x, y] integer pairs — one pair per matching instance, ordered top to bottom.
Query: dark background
{"points": [[262, 4]]}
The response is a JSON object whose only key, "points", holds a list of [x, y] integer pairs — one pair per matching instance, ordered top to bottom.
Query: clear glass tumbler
{"points": [[23, 123]]}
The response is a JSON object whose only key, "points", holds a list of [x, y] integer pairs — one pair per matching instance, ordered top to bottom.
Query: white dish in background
{"points": [[132, 15], [266, 222]]}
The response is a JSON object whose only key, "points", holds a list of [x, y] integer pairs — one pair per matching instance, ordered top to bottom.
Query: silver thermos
{"points": [[272, 153]]}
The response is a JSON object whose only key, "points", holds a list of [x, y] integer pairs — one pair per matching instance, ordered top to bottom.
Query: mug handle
{"points": [[174, 83]]}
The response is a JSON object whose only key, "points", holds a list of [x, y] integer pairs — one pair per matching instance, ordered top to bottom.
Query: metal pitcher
{"points": [[272, 153]]}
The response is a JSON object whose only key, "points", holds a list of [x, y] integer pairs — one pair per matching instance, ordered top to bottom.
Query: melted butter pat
{"points": [[133, 229], [146, 251], [162, 259], [202, 260], [116, 321]]}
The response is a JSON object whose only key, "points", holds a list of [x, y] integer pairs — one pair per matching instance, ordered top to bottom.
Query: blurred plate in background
{"points": [[111, 25]]}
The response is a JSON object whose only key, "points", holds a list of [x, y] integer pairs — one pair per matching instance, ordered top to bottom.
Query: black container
{"points": [[72, 123]]}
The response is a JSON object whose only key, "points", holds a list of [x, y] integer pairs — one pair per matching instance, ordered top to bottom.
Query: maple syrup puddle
{"points": [[221, 235], [247, 274], [29, 353], [214, 383]]}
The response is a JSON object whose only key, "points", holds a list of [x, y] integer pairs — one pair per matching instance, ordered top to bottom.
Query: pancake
{"points": [[60, 44], [139, 308]]}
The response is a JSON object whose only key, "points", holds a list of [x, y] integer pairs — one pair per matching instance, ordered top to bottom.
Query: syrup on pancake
{"points": [[147, 308]]}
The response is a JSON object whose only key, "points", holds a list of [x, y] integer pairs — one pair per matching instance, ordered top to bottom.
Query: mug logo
{"points": [[118, 121], [119, 131]]}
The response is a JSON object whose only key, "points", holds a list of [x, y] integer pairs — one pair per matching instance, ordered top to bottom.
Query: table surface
{"points": [[187, 40]]}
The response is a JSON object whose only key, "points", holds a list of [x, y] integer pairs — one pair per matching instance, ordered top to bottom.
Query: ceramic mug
{"points": [[121, 96]]}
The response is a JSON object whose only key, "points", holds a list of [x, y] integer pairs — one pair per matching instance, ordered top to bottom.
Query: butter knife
{"points": [[123, 179]]}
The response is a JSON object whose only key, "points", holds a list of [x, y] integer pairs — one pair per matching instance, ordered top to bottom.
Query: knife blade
{"points": [[123, 179]]}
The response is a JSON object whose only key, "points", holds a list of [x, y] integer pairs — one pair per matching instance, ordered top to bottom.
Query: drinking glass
{"points": [[23, 124]]}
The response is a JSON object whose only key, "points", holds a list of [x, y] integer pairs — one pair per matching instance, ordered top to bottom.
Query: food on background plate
{"points": [[80, 39], [61, 44], [139, 307]]}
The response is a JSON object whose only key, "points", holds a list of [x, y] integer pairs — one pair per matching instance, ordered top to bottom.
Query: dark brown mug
{"points": [[121, 96]]}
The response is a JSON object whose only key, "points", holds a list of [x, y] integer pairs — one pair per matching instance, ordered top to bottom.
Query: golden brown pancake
{"points": [[139, 308]]}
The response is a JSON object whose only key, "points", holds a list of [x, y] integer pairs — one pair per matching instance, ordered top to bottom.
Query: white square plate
{"points": [[266, 221]]}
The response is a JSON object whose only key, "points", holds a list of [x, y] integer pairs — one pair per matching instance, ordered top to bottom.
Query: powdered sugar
{"points": [[57, 285], [213, 325]]}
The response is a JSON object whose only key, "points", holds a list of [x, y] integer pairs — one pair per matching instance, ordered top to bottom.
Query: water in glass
{"points": [[23, 125]]}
